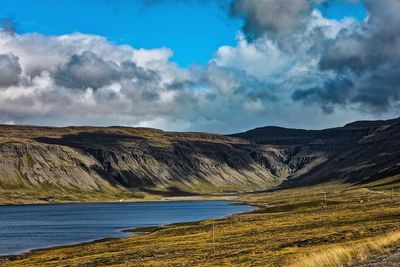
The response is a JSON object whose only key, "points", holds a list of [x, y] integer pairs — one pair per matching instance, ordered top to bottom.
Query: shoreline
{"points": [[156, 199], [294, 228], [143, 230]]}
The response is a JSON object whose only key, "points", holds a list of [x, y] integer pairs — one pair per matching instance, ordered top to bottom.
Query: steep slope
{"points": [[359, 152], [375, 156], [117, 158], [46, 161]]}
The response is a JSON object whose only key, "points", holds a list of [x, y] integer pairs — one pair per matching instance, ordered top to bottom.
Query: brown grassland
{"points": [[294, 227]]}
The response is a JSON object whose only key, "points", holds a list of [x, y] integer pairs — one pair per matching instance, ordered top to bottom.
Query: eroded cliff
{"points": [[117, 161]]}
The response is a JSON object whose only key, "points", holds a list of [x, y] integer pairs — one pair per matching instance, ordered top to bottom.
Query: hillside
{"points": [[359, 152], [49, 162], [89, 163]]}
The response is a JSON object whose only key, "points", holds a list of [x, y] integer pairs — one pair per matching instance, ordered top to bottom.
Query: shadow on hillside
{"points": [[103, 147], [119, 156], [171, 191]]}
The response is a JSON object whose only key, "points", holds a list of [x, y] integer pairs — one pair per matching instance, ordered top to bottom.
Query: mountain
{"points": [[359, 152], [112, 159], [86, 161]]}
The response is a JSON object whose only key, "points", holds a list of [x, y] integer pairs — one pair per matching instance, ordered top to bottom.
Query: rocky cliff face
{"points": [[359, 152], [374, 156], [117, 158], [141, 159]]}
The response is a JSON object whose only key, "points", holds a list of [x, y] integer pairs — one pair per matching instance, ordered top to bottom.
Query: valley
{"points": [[73, 164]]}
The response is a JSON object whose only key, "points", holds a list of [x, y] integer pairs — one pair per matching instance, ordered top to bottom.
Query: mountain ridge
{"points": [[123, 160]]}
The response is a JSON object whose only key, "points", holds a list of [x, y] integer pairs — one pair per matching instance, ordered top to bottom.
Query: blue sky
{"points": [[339, 9], [193, 30], [236, 64]]}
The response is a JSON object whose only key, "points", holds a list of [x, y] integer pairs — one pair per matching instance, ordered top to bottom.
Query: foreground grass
{"points": [[291, 228], [348, 254]]}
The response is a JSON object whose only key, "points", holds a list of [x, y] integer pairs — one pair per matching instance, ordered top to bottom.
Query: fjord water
{"points": [[27, 227]]}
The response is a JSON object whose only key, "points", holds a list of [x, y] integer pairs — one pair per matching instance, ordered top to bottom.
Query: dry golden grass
{"points": [[291, 226], [347, 255]]}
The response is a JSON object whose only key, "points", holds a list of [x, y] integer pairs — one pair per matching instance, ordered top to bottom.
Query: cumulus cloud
{"points": [[278, 17], [369, 57], [260, 58], [290, 69], [10, 70], [86, 70], [84, 79], [333, 92]]}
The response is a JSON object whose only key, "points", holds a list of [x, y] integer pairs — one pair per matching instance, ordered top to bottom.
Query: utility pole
{"points": [[213, 235]]}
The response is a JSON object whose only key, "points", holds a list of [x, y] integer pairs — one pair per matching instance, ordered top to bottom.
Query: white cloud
{"points": [[260, 58], [85, 80], [253, 105]]}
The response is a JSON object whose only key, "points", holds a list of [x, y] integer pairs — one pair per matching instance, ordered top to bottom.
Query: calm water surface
{"points": [[27, 227]]}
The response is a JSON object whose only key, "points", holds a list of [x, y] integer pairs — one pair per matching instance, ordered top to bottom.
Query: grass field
{"points": [[296, 227]]}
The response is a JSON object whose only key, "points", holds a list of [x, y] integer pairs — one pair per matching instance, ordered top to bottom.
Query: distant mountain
{"points": [[359, 152], [46, 161]]}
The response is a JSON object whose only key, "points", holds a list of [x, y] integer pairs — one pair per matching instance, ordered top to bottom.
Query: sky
{"points": [[194, 31], [199, 65]]}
